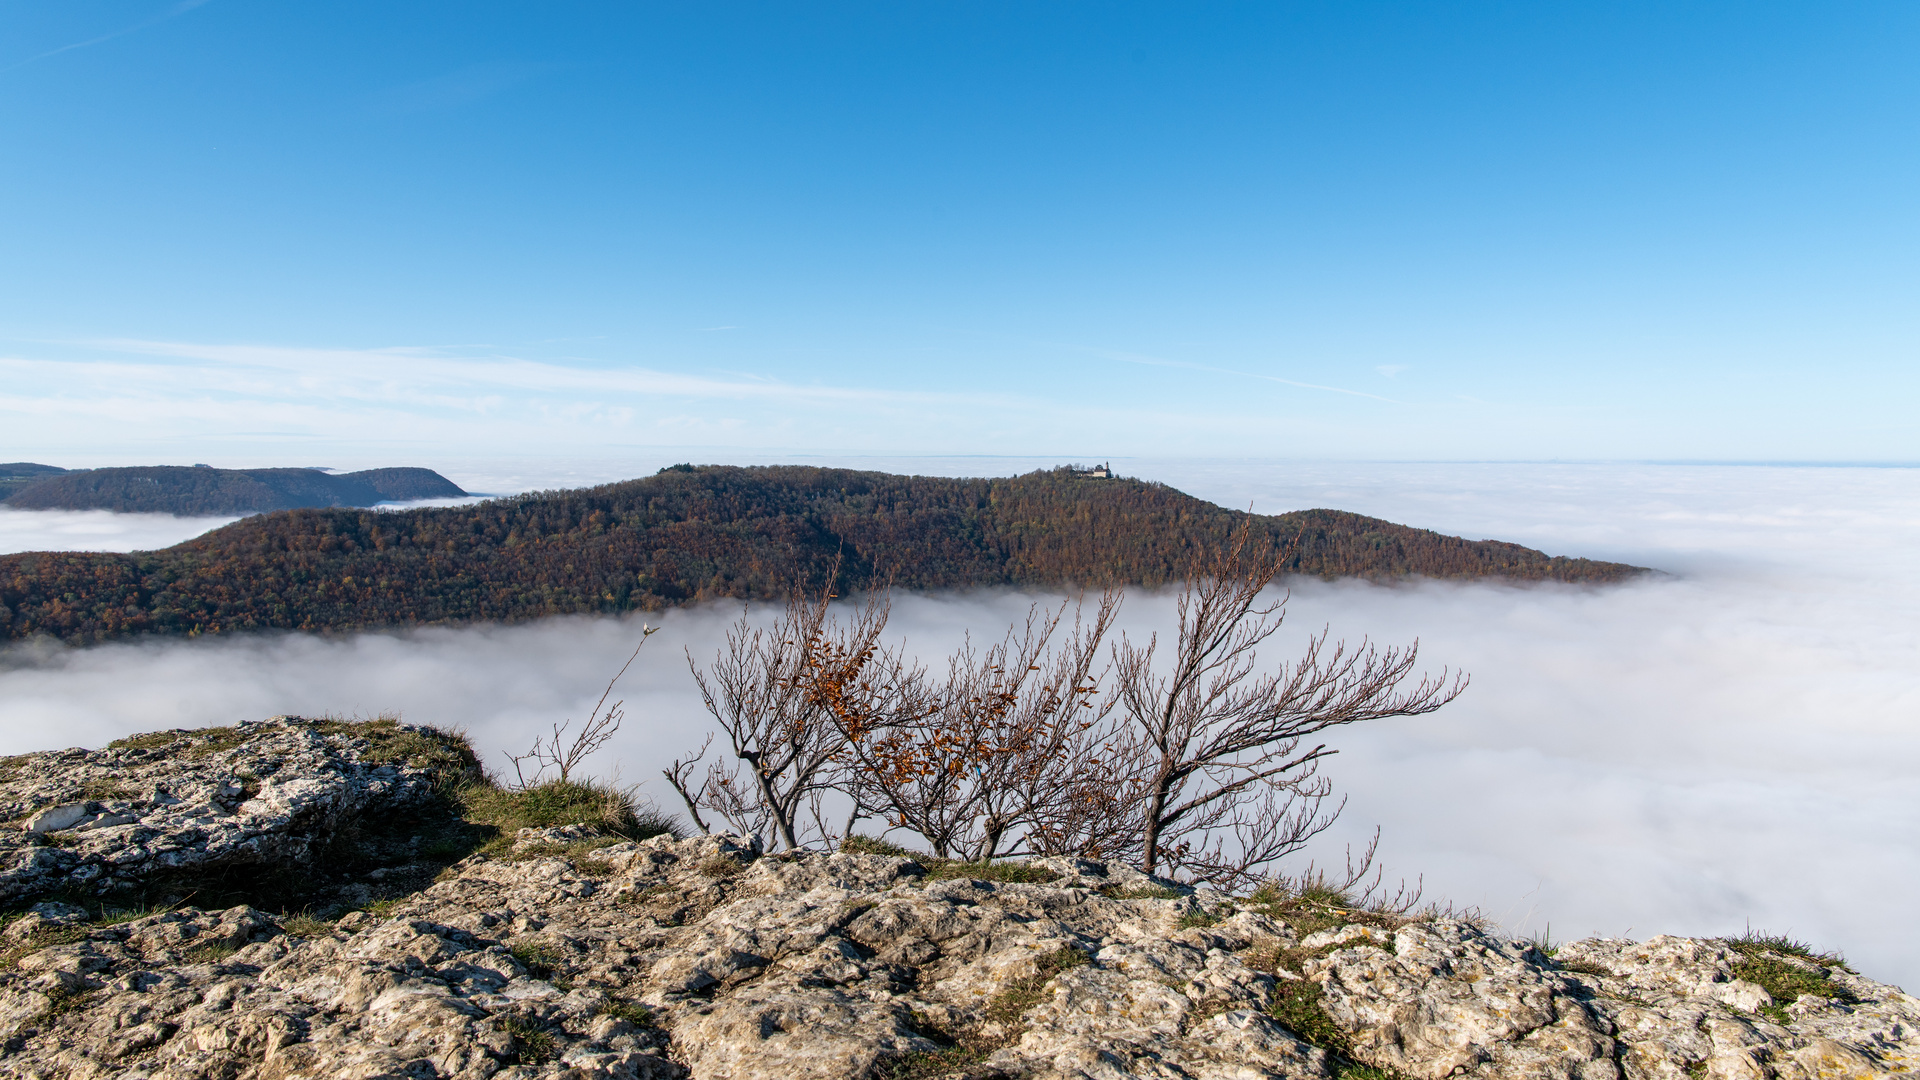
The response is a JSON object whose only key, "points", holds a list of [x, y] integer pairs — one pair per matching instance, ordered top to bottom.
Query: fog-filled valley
{"points": [[1727, 743]]}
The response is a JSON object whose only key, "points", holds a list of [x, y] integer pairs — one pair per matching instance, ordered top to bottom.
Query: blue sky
{"points": [[1342, 230]]}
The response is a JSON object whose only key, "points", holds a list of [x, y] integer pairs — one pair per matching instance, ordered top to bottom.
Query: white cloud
{"points": [[97, 530]]}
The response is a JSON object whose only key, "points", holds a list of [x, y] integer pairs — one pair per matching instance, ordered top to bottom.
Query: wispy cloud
{"points": [[176, 10], [425, 374], [132, 392]]}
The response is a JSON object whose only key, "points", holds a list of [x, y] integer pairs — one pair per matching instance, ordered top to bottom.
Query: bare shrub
{"points": [[765, 688], [556, 752], [1194, 762], [972, 764], [1212, 776]]}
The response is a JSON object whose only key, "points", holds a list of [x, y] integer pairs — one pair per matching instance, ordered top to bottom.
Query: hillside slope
{"points": [[16, 475], [198, 490], [691, 534]]}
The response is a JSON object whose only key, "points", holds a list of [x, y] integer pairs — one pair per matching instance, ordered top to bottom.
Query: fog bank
{"points": [[1728, 742]]}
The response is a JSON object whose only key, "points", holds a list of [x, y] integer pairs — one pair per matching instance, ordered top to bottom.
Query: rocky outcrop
{"points": [[236, 806], [560, 953], [569, 956]]}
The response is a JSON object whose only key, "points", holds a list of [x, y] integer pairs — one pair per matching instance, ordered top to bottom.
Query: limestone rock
{"points": [[258, 798], [561, 954], [703, 958]]}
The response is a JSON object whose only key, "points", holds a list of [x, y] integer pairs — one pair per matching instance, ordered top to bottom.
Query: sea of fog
{"points": [[1729, 743]]}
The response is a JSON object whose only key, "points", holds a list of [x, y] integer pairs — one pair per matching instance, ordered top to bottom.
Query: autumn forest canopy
{"points": [[690, 534]]}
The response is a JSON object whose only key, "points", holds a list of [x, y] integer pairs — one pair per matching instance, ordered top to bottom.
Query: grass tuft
{"points": [[152, 740], [104, 789], [598, 806], [868, 845], [575, 853], [719, 867], [1010, 872], [1145, 892], [1316, 907], [1197, 919], [304, 925], [45, 938], [1756, 943], [211, 953], [539, 958], [1766, 962], [1585, 967], [62, 1000], [1009, 1004], [1297, 1005], [631, 1011], [532, 1044]]}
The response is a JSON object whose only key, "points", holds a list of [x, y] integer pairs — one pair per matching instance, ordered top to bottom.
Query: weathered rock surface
{"points": [[260, 798], [562, 954], [574, 957]]}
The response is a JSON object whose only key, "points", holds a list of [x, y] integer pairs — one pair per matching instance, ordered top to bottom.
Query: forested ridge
{"points": [[203, 490], [691, 534]]}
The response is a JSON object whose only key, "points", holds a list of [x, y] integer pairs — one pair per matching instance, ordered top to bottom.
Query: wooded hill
{"points": [[15, 475], [200, 490], [690, 534]]}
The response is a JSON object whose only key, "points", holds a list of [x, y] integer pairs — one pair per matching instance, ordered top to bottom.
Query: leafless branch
{"points": [[556, 752]]}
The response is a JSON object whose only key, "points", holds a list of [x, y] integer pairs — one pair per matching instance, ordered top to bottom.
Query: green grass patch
{"points": [[152, 740], [192, 743], [447, 755], [102, 789], [598, 806], [868, 845], [575, 853], [719, 867], [939, 869], [1009, 872], [1144, 892], [1315, 907], [117, 916], [1197, 919], [304, 925], [44, 938], [1755, 943], [211, 953], [539, 958], [1765, 961], [1584, 967], [1786, 982], [62, 1000], [1008, 1005], [1297, 1005], [631, 1011], [532, 1044], [931, 1063]]}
